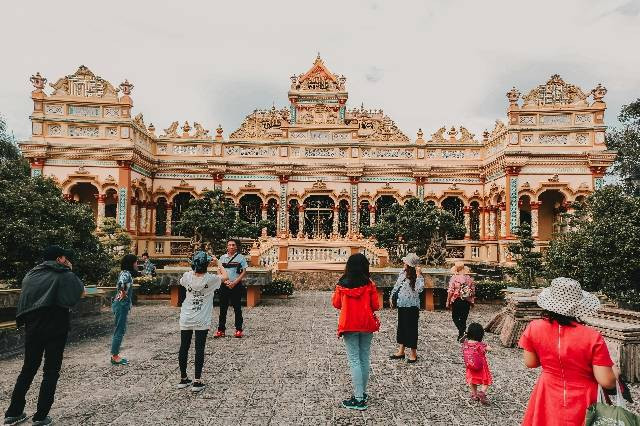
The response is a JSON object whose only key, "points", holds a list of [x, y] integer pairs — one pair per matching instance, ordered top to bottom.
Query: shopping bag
{"points": [[603, 414]]}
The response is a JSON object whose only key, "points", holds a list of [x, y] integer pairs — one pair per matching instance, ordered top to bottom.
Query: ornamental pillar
{"points": [[37, 166], [597, 173], [420, 180], [217, 181], [124, 192], [511, 192], [101, 204], [535, 206], [301, 208], [263, 211], [282, 214], [372, 214], [133, 215], [353, 216], [143, 218], [152, 218], [336, 219], [348, 220], [503, 220], [467, 222], [483, 223], [492, 223], [167, 227]]}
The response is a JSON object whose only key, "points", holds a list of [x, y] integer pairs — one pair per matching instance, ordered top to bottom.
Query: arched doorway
{"points": [[85, 193], [111, 203], [180, 203], [383, 204], [455, 206], [524, 206], [250, 208], [364, 214], [549, 215], [161, 216], [272, 216], [318, 216], [343, 217], [294, 222]]}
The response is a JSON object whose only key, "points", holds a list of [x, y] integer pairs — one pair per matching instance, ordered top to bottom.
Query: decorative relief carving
{"points": [[84, 83], [555, 92], [55, 109], [84, 111], [111, 112], [584, 118], [527, 120], [555, 120], [262, 124], [373, 125], [36, 128], [498, 129], [84, 131], [171, 131], [111, 132], [201, 132], [438, 136], [600, 137], [513, 138], [527, 139], [553, 139], [582, 139], [162, 149], [185, 149], [206, 150], [250, 151], [323, 152], [387, 153], [450, 154]]}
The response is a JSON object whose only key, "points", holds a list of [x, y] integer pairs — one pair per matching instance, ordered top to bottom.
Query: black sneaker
{"points": [[184, 383], [197, 386], [365, 397], [354, 404], [14, 420], [44, 422]]}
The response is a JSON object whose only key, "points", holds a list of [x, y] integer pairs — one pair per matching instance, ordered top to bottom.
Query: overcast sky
{"points": [[426, 63]]}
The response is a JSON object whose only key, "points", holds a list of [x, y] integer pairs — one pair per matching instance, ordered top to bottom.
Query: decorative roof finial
{"points": [[38, 81], [126, 87], [599, 92], [513, 95], [219, 132]]}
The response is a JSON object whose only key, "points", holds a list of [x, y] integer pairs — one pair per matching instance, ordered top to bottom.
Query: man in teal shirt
{"points": [[231, 290]]}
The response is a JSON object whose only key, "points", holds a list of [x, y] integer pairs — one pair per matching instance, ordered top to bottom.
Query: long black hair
{"points": [[128, 263], [356, 272], [411, 274], [560, 319]]}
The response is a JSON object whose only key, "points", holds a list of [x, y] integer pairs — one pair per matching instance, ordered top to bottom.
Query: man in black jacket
{"points": [[48, 292]]}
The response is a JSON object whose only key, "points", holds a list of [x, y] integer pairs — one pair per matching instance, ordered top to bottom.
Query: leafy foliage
{"points": [[626, 141], [34, 215], [211, 220], [416, 227], [116, 242], [602, 248], [528, 261], [278, 287], [490, 290]]}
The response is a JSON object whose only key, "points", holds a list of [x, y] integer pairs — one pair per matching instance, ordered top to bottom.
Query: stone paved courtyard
{"points": [[290, 369]]}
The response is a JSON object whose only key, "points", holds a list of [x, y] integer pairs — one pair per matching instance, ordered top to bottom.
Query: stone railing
{"points": [[301, 253]]}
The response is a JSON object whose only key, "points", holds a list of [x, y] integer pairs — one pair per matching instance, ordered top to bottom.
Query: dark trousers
{"points": [[230, 296], [459, 314], [407, 333], [185, 343], [36, 345]]}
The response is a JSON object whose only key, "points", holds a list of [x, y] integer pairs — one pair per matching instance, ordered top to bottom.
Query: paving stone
{"points": [[290, 369]]}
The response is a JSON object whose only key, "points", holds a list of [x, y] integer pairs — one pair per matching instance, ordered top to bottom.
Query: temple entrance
{"points": [[318, 216]]}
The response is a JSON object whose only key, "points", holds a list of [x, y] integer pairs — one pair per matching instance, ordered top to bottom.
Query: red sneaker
{"points": [[219, 333], [238, 334]]}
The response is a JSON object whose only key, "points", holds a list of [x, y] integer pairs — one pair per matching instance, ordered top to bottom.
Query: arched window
{"points": [[85, 193], [111, 203], [383, 204], [455, 206], [524, 207], [250, 208], [549, 214], [272, 215], [161, 216], [318, 216], [365, 216], [343, 217], [474, 220], [294, 223]]}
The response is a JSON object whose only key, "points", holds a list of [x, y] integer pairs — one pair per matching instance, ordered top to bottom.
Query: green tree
{"points": [[626, 141], [34, 215], [211, 220], [416, 227], [602, 247], [528, 261]]}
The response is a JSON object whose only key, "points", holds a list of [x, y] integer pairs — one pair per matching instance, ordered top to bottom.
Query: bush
{"points": [[151, 285], [278, 287], [490, 290]]}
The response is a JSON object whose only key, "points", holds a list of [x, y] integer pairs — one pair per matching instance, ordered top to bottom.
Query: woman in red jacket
{"points": [[357, 299]]}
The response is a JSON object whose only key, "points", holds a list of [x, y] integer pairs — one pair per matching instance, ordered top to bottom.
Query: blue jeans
{"points": [[120, 310], [358, 353]]}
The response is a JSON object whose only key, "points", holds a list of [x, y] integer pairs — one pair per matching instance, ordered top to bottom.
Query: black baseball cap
{"points": [[53, 252]]}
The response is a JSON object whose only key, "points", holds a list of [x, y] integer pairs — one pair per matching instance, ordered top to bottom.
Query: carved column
{"points": [[37, 165], [598, 173], [420, 180], [217, 181], [124, 192], [101, 203], [535, 206], [301, 208], [263, 211], [511, 212], [372, 214], [133, 215], [282, 215], [353, 216], [152, 217], [336, 219], [348, 220], [503, 220], [467, 222], [483, 223], [492, 223], [142, 227], [167, 227]]}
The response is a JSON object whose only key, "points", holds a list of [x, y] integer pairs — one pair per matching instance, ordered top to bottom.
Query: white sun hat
{"points": [[411, 259], [566, 297]]}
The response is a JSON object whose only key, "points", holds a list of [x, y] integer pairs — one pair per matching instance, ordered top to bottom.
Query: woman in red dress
{"points": [[574, 357]]}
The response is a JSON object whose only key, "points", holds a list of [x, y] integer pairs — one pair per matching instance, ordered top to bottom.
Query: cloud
{"points": [[426, 63]]}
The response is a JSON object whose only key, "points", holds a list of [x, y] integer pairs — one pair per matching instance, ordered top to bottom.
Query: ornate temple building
{"points": [[317, 169]]}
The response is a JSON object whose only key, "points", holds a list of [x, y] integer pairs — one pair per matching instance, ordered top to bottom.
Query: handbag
{"points": [[394, 298], [603, 414]]}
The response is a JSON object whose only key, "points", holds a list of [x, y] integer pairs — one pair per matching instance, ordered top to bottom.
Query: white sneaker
{"points": [[184, 383]]}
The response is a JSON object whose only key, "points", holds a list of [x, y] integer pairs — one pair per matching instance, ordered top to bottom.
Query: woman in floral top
{"points": [[460, 296], [122, 304]]}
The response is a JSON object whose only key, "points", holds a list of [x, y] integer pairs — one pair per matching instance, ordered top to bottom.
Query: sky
{"points": [[425, 63]]}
